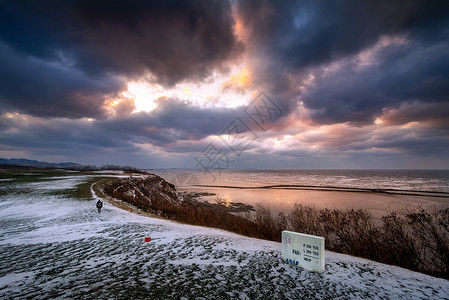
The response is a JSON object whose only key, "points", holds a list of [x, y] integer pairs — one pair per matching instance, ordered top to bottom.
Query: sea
{"points": [[378, 191]]}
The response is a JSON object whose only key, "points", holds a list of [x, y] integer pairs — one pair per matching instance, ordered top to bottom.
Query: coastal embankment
{"points": [[416, 239], [54, 244]]}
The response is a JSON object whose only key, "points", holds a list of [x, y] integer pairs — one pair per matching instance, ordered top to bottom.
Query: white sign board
{"points": [[306, 251]]}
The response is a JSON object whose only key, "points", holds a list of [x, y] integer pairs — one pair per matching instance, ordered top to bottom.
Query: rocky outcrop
{"points": [[149, 192], [154, 195]]}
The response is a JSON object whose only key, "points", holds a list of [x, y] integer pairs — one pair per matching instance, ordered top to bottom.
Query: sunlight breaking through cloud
{"points": [[228, 90]]}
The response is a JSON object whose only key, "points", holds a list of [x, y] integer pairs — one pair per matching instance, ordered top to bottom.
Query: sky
{"points": [[226, 84]]}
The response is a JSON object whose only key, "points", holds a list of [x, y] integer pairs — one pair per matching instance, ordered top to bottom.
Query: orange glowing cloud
{"points": [[239, 30], [239, 80], [120, 107], [415, 114], [336, 135]]}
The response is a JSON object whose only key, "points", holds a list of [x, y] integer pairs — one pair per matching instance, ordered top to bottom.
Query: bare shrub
{"points": [[219, 201], [304, 219], [281, 222], [269, 227], [351, 231], [432, 234], [417, 240], [397, 245]]}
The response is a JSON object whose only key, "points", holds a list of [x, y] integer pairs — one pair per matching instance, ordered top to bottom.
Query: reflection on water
{"points": [[284, 199]]}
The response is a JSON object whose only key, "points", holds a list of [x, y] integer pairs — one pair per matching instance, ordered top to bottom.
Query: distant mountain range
{"points": [[22, 162]]}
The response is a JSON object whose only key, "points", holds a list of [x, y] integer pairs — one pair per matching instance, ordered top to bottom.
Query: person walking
{"points": [[99, 205]]}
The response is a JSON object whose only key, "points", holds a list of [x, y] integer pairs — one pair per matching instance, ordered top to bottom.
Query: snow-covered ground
{"points": [[56, 246]]}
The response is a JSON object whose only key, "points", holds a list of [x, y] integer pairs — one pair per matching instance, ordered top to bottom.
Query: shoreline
{"points": [[335, 189], [380, 192], [284, 200]]}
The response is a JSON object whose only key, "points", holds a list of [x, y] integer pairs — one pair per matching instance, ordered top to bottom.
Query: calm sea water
{"points": [[284, 199]]}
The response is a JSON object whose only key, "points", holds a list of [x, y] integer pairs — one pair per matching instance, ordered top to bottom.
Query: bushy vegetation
{"points": [[413, 239]]}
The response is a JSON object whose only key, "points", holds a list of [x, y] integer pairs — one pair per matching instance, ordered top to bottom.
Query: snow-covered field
{"points": [[54, 245]]}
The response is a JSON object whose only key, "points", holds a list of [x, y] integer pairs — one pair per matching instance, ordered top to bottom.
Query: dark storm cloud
{"points": [[307, 33], [298, 38], [174, 39], [84, 41], [350, 62], [34, 86], [358, 95], [435, 115], [171, 121], [173, 125], [41, 133], [420, 143]]}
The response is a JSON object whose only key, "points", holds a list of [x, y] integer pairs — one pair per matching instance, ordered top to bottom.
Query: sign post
{"points": [[306, 251]]}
